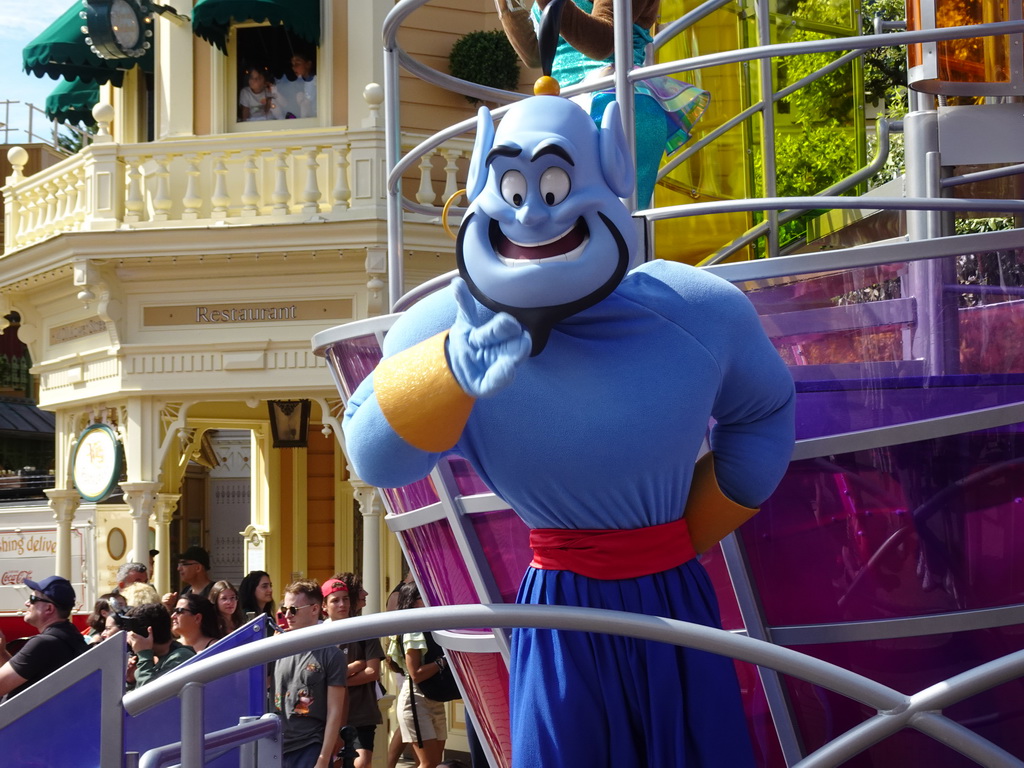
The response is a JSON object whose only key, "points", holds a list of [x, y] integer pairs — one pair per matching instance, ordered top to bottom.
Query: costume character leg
{"points": [[652, 131]]}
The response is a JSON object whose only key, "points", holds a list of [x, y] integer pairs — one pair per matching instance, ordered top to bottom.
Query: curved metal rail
{"points": [[397, 58], [921, 711]]}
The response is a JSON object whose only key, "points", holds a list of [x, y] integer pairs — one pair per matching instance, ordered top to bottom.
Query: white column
{"points": [[364, 52], [174, 80], [141, 499], [63, 503], [370, 509], [163, 511]]}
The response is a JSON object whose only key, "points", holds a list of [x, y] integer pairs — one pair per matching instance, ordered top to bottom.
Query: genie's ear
{"points": [[482, 145], [616, 164]]}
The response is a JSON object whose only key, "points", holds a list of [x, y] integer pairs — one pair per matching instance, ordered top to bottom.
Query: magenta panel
{"points": [[862, 351], [352, 360], [466, 478], [409, 497], [916, 529], [505, 541], [439, 566], [910, 665], [485, 679]]}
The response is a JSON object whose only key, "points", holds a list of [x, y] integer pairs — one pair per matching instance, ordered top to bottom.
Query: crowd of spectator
{"points": [[327, 698]]}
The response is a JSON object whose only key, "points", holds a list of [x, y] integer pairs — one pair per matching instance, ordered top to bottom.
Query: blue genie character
{"points": [[581, 387]]}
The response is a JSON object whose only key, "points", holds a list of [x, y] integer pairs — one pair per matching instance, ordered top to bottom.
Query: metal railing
{"points": [[763, 53], [921, 711]]}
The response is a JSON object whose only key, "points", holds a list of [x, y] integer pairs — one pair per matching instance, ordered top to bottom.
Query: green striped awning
{"points": [[212, 19], [60, 50], [72, 102]]}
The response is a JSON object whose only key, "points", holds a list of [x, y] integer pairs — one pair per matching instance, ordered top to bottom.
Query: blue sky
{"points": [[20, 22]]}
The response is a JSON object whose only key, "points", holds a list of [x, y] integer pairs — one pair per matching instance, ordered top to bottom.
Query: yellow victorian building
{"points": [[168, 277]]}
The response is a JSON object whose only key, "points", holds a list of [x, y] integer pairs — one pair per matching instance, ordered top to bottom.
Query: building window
{"points": [[275, 76]]}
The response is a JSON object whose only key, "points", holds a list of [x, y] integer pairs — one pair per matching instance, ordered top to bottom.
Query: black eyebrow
{"points": [[553, 149], [503, 150]]}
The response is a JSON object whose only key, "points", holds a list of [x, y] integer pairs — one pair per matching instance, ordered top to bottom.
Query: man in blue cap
{"points": [[58, 642]]}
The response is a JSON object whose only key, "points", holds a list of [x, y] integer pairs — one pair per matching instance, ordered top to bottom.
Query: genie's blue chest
{"points": [[601, 429]]}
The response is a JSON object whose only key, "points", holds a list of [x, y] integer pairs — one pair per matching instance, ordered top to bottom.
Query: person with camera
{"points": [[149, 637], [58, 642]]}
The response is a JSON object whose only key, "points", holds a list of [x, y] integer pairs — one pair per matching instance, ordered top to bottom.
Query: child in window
{"points": [[305, 76], [259, 100]]}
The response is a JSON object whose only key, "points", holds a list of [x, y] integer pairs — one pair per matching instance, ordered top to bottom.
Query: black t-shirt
{"points": [[204, 592], [46, 652]]}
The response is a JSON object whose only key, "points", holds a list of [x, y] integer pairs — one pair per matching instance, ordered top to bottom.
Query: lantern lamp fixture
{"points": [[289, 423]]}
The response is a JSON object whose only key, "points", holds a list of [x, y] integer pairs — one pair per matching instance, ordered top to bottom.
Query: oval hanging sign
{"points": [[96, 464]]}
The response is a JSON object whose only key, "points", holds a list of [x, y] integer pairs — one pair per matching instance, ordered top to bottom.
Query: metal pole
{"points": [[623, 15], [764, 37], [393, 148], [753, 619], [191, 698], [247, 751]]}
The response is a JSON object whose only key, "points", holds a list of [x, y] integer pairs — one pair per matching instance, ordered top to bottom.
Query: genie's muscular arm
{"points": [[417, 402], [753, 436], [379, 455]]}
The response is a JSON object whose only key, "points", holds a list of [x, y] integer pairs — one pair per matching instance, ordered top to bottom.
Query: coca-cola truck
{"points": [[28, 550]]}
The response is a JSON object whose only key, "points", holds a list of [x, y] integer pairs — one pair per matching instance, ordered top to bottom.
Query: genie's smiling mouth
{"points": [[565, 247]]}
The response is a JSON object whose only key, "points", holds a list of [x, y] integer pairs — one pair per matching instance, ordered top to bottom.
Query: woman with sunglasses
{"points": [[224, 597], [194, 622]]}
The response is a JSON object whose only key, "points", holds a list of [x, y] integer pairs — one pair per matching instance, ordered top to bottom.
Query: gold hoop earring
{"points": [[444, 213]]}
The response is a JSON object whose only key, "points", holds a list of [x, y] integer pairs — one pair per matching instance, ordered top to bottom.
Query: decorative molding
{"points": [[166, 363]]}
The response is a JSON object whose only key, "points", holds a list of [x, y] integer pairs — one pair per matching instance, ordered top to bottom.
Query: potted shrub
{"points": [[485, 58]]}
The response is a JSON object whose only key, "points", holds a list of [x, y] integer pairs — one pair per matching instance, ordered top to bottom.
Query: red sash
{"points": [[612, 554]]}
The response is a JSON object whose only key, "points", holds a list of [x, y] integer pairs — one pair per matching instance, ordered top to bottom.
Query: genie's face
{"points": [[546, 233]]}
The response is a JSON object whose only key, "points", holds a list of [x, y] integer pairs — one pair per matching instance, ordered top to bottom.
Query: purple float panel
{"points": [[858, 346], [352, 360], [910, 530], [915, 530], [505, 541], [439, 565], [910, 665], [485, 680], [224, 701], [63, 732]]}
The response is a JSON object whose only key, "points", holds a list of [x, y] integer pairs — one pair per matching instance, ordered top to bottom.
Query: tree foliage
{"points": [[884, 68]]}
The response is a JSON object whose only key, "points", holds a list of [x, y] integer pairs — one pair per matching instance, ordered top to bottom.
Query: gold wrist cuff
{"points": [[420, 397], [710, 514]]}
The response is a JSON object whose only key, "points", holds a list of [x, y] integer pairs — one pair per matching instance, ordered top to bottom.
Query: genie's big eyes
{"points": [[554, 185], [513, 188]]}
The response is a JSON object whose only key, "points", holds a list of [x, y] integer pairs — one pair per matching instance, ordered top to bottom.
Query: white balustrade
{"points": [[456, 156], [191, 182], [342, 193], [311, 194], [251, 195], [280, 195], [162, 198], [220, 198], [191, 201], [133, 204]]}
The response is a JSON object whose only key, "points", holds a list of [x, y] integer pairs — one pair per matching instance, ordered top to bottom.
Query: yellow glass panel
{"points": [[720, 171]]}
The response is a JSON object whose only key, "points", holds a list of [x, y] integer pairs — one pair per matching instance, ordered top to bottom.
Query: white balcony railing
{"points": [[259, 178]]}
